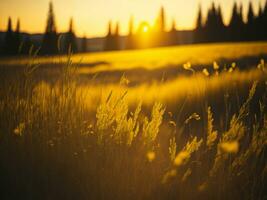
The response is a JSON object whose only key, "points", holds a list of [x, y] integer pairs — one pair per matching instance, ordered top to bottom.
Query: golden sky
{"points": [[91, 16]]}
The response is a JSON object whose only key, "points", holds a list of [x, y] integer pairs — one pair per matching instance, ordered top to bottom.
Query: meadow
{"points": [[184, 122]]}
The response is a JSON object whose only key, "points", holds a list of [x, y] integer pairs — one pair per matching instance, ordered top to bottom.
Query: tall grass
{"points": [[53, 147]]}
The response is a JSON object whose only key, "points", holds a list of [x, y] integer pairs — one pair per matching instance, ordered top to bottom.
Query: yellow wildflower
{"points": [[205, 72], [19, 129], [230, 147], [151, 156], [181, 157]]}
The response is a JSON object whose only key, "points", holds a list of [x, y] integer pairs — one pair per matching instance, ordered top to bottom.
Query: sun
{"points": [[145, 29]]}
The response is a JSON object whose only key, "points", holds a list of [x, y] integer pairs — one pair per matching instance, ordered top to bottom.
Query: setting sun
{"points": [[145, 29]]}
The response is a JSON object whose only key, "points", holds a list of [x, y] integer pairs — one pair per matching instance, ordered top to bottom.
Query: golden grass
{"points": [[155, 58], [171, 91], [127, 142]]}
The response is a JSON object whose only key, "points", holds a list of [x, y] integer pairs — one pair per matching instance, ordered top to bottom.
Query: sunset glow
{"points": [[91, 17], [145, 29]]}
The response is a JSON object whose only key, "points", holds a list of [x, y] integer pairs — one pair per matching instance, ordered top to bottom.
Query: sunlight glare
{"points": [[145, 29]]}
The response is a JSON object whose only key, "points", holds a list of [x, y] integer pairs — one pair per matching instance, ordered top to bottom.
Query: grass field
{"points": [[183, 122]]}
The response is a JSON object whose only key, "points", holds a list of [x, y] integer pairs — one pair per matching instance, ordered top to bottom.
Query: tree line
{"points": [[213, 28], [209, 29], [144, 37], [17, 43]]}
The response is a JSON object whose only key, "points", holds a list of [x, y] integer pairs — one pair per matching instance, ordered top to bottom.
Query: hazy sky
{"points": [[91, 16]]}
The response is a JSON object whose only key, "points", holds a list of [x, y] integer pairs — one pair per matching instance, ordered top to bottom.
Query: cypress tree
{"points": [[240, 15], [251, 15], [235, 16], [219, 17], [162, 20], [199, 24], [241, 24], [131, 25], [211, 25], [259, 25], [236, 26], [207, 27], [109, 28], [220, 28], [117, 29], [233, 29], [250, 32], [198, 34], [160, 36], [17, 38], [109, 38], [130, 38], [70, 39], [9, 40], [116, 40], [112, 41], [49, 43]]}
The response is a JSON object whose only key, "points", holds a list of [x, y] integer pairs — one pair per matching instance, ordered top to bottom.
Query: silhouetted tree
{"points": [[251, 15], [235, 16], [219, 18], [211, 19], [162, 20], [199, 23], [241, 24], [131, 25], [209, 25], [214, 26], [219, 26], [236, 26], [109, 28], [259, 28], [117, 29], [214, 30], [250, 32], [198, 33], [220, 34], [160, 36], [117, 37], [17, 38], [109, 38], [130, 38], [70, 40], [112, 41], [49, 43], [9, 45]]}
